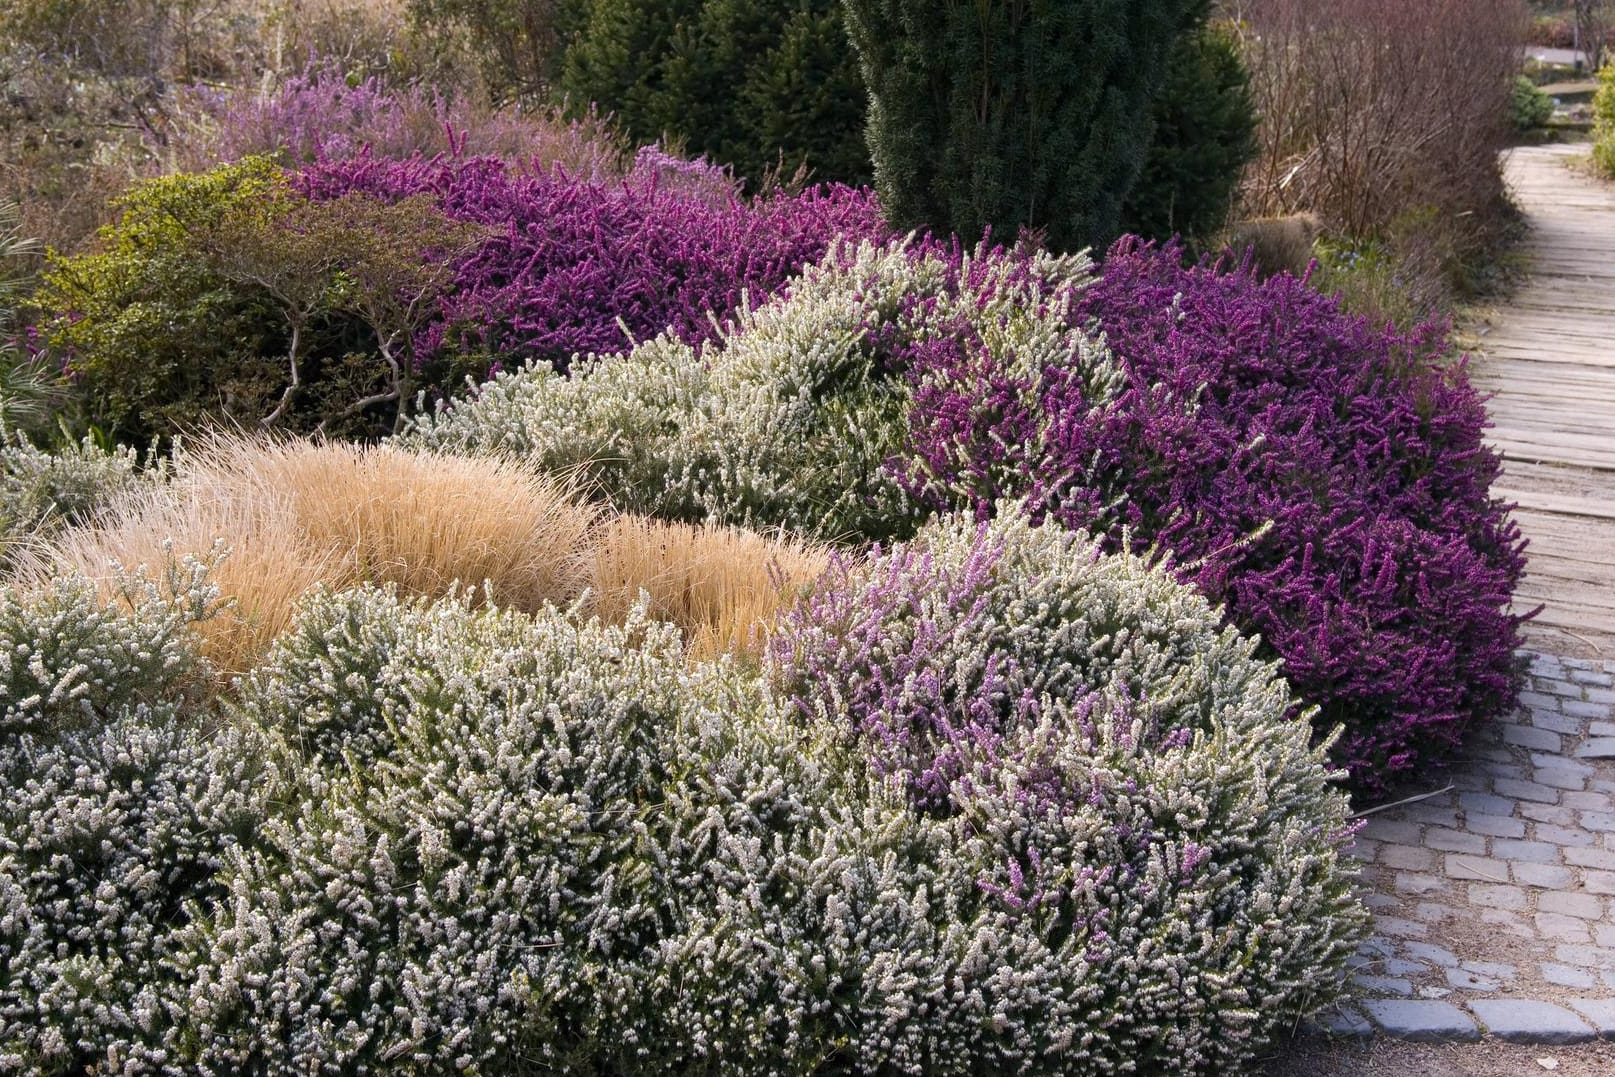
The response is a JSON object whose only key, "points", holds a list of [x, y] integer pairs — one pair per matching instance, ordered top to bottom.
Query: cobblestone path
{"points": [[1494, 901]]}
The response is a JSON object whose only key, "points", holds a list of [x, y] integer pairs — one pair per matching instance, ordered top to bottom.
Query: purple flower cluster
{"points": [[318, 115], [579, 266], [1323, 479]]}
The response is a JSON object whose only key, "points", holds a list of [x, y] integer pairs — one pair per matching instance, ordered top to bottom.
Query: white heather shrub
{"points": [[791, 417], [39, 489], [71, 656], [118, 812], [1157, 825], [445, 838], [554, 847]]}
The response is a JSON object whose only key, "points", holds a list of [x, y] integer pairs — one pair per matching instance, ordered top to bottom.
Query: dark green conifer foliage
{"points": [[763, 85], [1010, 114], [1205, 134]]}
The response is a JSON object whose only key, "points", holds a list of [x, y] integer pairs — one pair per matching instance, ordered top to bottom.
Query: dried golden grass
{"points": [[297, 514], [724, 587]]}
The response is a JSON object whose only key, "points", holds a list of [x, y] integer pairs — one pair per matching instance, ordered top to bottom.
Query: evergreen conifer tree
{"points": [[1011, 114]]}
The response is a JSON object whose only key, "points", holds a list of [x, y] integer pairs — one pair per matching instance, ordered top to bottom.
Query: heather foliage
{"points": [[319, 115], [575, 267], [328, 298], [792, 416], [1323, 479], [41, 490], [1131, 771], [117, 813], [442, 837]]}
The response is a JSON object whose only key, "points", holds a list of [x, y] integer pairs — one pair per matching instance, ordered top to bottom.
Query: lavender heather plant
{"points": [[318, 115], [578, 267], [1324, 480], [1163, 831]]}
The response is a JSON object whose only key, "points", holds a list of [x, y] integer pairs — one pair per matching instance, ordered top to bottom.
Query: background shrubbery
{"points": [[1386, 120], [1604, 122], [373, 280]]}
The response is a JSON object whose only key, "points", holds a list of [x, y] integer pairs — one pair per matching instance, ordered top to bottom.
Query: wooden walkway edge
{"points": [[1549, 361]]}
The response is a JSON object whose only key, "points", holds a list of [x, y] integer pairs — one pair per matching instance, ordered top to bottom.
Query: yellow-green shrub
{"points": [[1604, 122]]}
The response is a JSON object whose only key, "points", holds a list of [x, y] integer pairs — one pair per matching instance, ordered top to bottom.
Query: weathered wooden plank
{"points": [[1548, 363]]}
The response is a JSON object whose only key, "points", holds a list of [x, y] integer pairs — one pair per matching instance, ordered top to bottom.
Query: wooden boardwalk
{"points": [[1549, 358]]}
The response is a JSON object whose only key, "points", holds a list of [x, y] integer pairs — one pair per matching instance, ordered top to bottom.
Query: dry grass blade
{"points": [[724, 587]]}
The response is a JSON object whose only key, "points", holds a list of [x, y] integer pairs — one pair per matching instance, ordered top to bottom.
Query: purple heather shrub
{"points": [[318, 115], [576, 266], [1323, 479], [1119, 756]]}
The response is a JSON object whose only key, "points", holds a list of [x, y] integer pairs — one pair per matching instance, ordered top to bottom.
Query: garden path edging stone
{"points": [[1494, 902]]}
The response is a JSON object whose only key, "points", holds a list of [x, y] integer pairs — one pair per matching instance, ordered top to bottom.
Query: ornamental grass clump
{"points": [[792, 417], [1322, 479], [294, 515], [118, 813], [1157, 827]]}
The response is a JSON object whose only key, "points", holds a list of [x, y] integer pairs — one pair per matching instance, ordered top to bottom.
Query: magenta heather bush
{"points": [[317, 115], [578, 267], [1325, 480]]}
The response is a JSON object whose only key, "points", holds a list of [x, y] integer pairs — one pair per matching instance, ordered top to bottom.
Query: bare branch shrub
{"points": [[1381, 116]]}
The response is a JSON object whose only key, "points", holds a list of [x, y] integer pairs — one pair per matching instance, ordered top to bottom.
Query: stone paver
{"points": [[1494, 902], [1598, 1012], [1422, 1020], [1525, 1021]]}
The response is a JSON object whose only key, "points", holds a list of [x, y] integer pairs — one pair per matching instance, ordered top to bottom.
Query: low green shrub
{"points": [[1528, 105], [1604, 122], [226, 295], [155, 336]]}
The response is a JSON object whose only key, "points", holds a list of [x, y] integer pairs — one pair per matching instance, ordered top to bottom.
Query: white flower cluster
{"points": [[791, 417], [39, 488], [69, 658], [116, 817]]}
